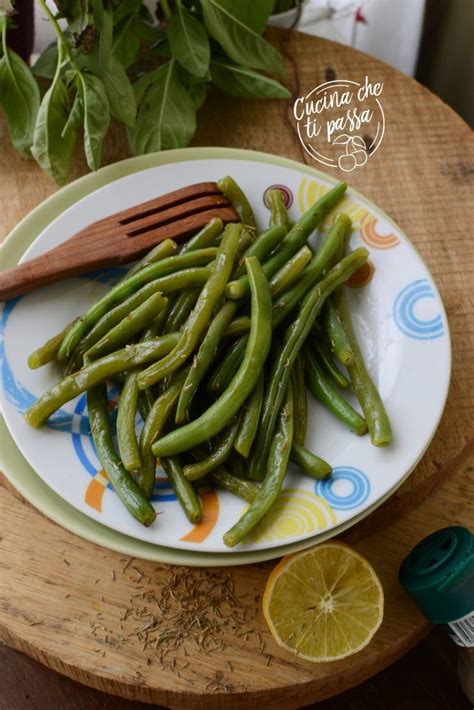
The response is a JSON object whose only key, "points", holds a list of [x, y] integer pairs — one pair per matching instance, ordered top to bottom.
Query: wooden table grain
{"points": [[422, 177]]}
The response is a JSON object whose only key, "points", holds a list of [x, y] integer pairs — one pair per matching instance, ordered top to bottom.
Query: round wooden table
{"points": [[64, 601]]}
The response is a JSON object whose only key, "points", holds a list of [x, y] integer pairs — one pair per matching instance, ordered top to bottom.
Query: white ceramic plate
{"points": [[398, 315]]}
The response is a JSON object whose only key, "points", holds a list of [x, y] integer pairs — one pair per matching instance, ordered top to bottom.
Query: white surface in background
{"points": [[392, 32]]}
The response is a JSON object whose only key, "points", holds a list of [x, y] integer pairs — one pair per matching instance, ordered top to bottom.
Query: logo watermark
{"points": [[341, 123]]}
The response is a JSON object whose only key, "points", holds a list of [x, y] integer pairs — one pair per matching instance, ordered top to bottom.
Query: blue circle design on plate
{"points": [[404, 312], [76, 424], [357, 495]]}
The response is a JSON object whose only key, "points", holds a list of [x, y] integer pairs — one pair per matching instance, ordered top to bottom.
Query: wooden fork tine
{"points": [[201, 189], [148, 221], [180, 228]]}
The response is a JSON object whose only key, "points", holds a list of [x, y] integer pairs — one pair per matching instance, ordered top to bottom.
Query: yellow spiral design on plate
{"points": [[310, 190], [295, 513]]}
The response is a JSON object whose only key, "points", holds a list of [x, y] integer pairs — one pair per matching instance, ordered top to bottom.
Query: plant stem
{"points": [[166, 8], [3, 21], [64, 49]]}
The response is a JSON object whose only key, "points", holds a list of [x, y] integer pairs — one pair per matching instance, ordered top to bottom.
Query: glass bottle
{"points": [[439, 576]]}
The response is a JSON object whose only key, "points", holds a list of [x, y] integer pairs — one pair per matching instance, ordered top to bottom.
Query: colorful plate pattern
{"points": [[397, 312]]}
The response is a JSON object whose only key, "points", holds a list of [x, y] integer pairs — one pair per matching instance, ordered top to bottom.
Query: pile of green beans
{"points": [[214, 345]]}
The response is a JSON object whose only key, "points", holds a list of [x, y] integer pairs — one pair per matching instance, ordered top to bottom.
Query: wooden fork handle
{"points": [[85, 252], [46, 269]]}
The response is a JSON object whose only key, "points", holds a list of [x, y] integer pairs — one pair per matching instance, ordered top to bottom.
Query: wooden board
{"points": [[65, 601]]}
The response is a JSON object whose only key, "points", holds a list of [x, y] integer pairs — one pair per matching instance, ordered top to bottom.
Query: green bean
{"points": [[237, 198], [277, 207], [205, 237], [246, 240], [294, 240], [264, 245], [162, 251], [320, 261], [289, 272], [125, 289], [285, 304], [178, 307], [281, 309], [180, 310], [117, 314], [108, 321], [198, 321], [156, 326], [237, 326], [124, 332], [295, 336], [337, 336], [48, 351], [324, 356], [203, 359], [97, 371], [225, 371], [323, 389], [365, 390], [147, 397], [300, 400], [144, 403], [222, 411], [126, 414], [157, 417], [249, 424], [218, 455], [309, 463], [236, 464], [276, 469], [226, 480], [122, 482], [183, 489]]}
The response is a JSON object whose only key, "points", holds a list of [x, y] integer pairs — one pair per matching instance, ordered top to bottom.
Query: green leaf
{"points": [[125, 9], [76, 12], [252, 13], [189, 42], [240, 43], [126, 44], [161, 46], [45, 65], [116, 82], [144, 82], [245, 83], [195, 87], [119, 92], [198, 94], [20, 98], [75, 115], [96, 117], [166, 117], [53, 143]]}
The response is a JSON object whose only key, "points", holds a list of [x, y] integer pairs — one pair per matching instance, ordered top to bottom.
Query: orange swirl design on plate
{"points": [[371, 237], [362, 276], [95, 491], [210, 513]]}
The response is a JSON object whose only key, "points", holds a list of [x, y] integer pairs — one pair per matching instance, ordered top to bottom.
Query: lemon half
{"points": [[323, 604]]}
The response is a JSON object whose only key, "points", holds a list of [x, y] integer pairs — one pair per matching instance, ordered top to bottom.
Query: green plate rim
{"points": [[23, 477]]}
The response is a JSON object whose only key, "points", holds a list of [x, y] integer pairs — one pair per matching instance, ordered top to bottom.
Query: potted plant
{"points": [[151, 73]]}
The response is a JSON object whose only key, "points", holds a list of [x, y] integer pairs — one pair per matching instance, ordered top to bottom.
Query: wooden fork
{"points": [[122, 237]]}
